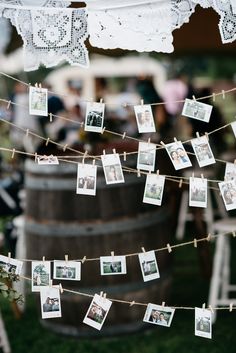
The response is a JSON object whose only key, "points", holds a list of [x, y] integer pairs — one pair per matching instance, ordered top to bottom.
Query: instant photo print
{"points": [[38, 101], [197, 110], [94, 117], [144, 118], [203, 151], [178, 155], [146, 156], [47, 160], [112, 168], [230, 172], [86, 179], [153, 191], [198, 192], [228, 192], [10, 265], [112, 265], [148, 266], [67, 270], [41, 274], [50, 302], [97, 312], [159, 315], [203, 323]]}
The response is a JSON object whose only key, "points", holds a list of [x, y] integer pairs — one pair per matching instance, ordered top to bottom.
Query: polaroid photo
{"points": [[38, 101], [197, 110], [94, 117], [144, 118], [233, 125], [203, 151], [178, 155], [146, 156], [47, 160], [112, 168], [230, 172], [86, 179], [153, 191], [198, 192], [228, 192], [148, 264], [10, 265], [113, 265], [67, 270], [41, 274], [50, 302], [97, 312], [159, 315], [203, 323]]}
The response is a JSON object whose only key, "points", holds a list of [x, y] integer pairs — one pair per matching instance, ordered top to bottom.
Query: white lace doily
{"points": [[181, 10], [134, 25]]}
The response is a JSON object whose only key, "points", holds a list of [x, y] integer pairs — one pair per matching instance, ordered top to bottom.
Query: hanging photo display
{"points": [[38, 101], [197, 110], [94, 117], [144, 118], [233, 125], [203, 151], [178, 155], [146, 156], [47, 160], [112, 168], [230, 171], [86, 179], [154, 188], [198, 192], [228, 192], [148, 264], [10, 265], [113, 265], [67, 270], [41, 274], [50, 302], [97, 312], [159, 315], [203, 323]]}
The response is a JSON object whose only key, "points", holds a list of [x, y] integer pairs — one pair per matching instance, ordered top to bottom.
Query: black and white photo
{"points": [[38, 101], [197, 110], [94, 117], [144, 118], [203, 151], [178, 155], [146, 156], [47, 160], [112, 168], [230, 171], [86, 179], [153, 191], [198, 192], [228, 192], [148, 264], [10, 265], [112, 265], [67, 270], [41, 274], [50, 302], [97, 312], [159, 315], [203, 323]]}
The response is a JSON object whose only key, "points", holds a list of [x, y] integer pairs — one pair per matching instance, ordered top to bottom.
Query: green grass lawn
{"points": [[189, 289]]}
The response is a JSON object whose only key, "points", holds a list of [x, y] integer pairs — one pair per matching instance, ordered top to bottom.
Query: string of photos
{"points": [[53, 32], [111, 163], [70, 270]]}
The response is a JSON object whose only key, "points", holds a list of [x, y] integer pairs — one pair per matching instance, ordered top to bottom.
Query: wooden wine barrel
{"points": [[59, 222]]}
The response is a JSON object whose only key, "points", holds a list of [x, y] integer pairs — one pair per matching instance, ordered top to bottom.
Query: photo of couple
{"points": [[178, 155]]}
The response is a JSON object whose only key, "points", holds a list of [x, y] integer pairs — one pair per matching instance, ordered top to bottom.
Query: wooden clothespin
{"points": [[36, 85], [40, 87], [223, 93], [213, 97], [194, 98], [101, 100], [141, 101], [8, 104], [50, 117], [27, 132], [102, 132], [197, 134], [123, 136], [207, 136], [48, 139], [175, 139], [149, 140], [162, 143], [65, 147], [114, 150], [104, 152], [13, 153], [35, 156], [84, 156], [124, 156], [94, 161], [235, 161], [158, 172], [138, 173], [193, 176], [202, 176], [180, 183], [234, 234], [209, 237], [195, 242], [169, 248], [143, 250], [112, 255], [9, 257], [43, 258], [66, 258], [83, 259], [50, 283], [61, 288], [101, 294], [132, 303], [163, 304], [204, 306], [210, 307], [231, 307]]}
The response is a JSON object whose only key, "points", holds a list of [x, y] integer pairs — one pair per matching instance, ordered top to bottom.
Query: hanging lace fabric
{"points": [[138, 25], [5, 31], [51, 34]]}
